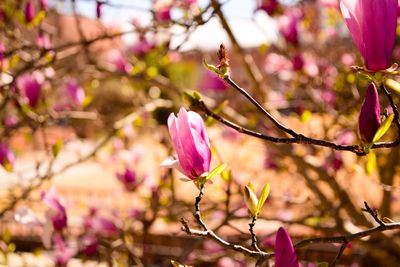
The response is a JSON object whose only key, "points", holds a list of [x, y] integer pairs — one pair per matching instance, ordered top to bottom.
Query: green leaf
{"points": [[210, 67], [393, 85], [383, 128], [56, 148], [371, 163], [217, 170], [263, 198], [322, 264]]}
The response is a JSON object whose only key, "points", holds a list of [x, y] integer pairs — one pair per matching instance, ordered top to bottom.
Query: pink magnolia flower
{"points": [[29, 11], [372, 25], [211, 81], [30, 87], [75, 92], [370, 115], [191, 143], [7, 157], [128, 179], [56, 212], [285, 254]]}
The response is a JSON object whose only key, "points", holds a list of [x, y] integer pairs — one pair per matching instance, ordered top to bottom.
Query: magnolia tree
{"points": [[318, 109]]}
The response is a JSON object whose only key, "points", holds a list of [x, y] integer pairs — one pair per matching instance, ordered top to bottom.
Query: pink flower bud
{"points": [[29, 11], [372, 25], [30, 87], [75, 93], [370, 115], [191, 143], [7, 157], [128, 179], [56, 211], [285, 254]]}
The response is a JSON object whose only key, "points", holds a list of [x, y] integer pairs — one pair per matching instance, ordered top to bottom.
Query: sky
{"points": [[252, 29]]}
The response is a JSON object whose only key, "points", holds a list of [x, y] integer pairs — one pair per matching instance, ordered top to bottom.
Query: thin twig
{"points": [[261, 108], [300, 139], [373, 213], [207, 233], [253, 235], [340, 253]]}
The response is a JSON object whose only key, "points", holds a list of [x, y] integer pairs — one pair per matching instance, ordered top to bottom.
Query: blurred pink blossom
{"points": [[43, 4], [269, 6], [163, 13], [289, 24], [43, 40], [141, 47], [348, 59], [120, 62], [298, 62], [211, 81], [30, 87], [75, 92], [11, 121], [7, 157], [128, 179], [56, 212], [100, 225], [89, 244], [63, 253]]}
